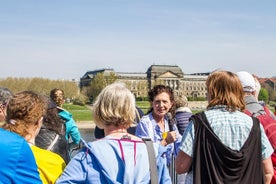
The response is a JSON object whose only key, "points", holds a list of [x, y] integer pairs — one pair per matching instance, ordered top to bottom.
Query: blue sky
{"points": [[62, 39]]}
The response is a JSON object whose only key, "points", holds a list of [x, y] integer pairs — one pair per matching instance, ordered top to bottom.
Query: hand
{"points": [[171, 137]]}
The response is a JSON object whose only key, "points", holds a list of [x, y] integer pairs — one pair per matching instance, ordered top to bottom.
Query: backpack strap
{"points": [[53, 142], [152, 161]]}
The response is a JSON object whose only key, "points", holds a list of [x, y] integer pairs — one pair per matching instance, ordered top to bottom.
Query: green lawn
{"points": [[144, 105], [80, 113], [83, 113]]}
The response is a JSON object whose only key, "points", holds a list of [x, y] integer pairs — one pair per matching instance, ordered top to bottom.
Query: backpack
{"points": [[268, 123], [53, 141]]}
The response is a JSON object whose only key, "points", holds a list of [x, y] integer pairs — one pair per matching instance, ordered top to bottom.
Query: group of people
{"points": [[35, 137], [222, 144]]}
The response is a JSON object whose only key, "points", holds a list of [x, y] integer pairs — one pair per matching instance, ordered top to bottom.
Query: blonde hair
{"points": [[258, 87], [224, 88], [57, 95], [181, 101], [115, 105], [23, 111]]}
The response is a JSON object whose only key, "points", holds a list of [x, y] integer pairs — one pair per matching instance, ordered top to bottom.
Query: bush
{"points": [[142, 99], [197, 99], [78, 102]]}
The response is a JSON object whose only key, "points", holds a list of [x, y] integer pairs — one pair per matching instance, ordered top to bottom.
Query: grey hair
{"points": [[5, 95], [115, 105]]}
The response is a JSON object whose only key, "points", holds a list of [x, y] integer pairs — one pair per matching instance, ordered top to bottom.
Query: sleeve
{"points": [[142, 129], [73, 131], [187, 141], [26, 170], [75, 171]]}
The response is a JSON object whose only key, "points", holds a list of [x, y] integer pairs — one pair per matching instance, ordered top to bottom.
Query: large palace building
{"points": [[190, 85]]}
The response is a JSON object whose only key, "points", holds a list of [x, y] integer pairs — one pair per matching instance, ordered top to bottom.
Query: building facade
{"points": [[190, 85]]}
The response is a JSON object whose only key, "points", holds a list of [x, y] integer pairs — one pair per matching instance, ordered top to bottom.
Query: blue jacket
{"points": [[71, 127], [17, 161], [112, 161]]}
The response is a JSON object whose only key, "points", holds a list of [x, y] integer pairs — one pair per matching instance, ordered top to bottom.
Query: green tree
{"points": [[111, 78], [98, 83], [41, 86], [270, 92], [263, 95]]}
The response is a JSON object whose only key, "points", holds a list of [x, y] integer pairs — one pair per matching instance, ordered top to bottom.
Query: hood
{"points": [[253, 106], [65, 115]]}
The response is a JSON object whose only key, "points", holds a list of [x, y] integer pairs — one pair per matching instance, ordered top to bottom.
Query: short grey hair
{"points": [[115, 105]]}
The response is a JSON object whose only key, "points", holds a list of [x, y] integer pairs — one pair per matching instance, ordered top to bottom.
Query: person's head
{"points": [[247, 81], [224, 88], [5, 95], [57, 95], [161, 98], [181, 101], [115, 105], [25, 112], [51, 119]]}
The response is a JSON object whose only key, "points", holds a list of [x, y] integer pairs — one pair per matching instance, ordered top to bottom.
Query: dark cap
{"points": [[51, 104]]}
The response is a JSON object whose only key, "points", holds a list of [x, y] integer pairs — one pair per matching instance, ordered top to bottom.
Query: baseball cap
{"points": [[247, 81]]}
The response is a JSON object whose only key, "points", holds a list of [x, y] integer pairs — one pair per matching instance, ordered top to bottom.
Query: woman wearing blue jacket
{"points": [[72, 131]]}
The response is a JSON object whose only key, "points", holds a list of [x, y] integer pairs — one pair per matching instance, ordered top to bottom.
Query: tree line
{"points": [[44, 86], [86, 94]]}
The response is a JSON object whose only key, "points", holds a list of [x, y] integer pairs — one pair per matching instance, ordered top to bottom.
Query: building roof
{"points": [[164, 68], [161, 69], [91, 74]]}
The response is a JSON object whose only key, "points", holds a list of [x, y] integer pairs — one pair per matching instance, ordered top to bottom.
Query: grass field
{"points": [[144, 105], [80, 113], [83, 113]]}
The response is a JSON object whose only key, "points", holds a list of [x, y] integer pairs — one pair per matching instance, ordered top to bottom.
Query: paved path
{"points": [[81, 124], [85, 124]]}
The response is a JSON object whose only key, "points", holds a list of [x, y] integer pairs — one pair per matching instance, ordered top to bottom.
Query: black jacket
{"points": [[50, 140]]}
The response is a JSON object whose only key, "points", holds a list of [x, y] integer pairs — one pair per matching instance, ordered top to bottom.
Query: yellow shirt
{"points": [[50, 165]]}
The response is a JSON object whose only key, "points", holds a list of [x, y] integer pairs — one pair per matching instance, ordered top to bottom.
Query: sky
{"points": [[63, 39]]}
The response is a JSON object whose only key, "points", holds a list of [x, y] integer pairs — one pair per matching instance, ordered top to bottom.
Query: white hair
{"points": [[257, 87]]}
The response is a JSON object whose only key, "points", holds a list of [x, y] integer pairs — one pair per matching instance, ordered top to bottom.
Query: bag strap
{"points": [[53, 142], [152, 161]]}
